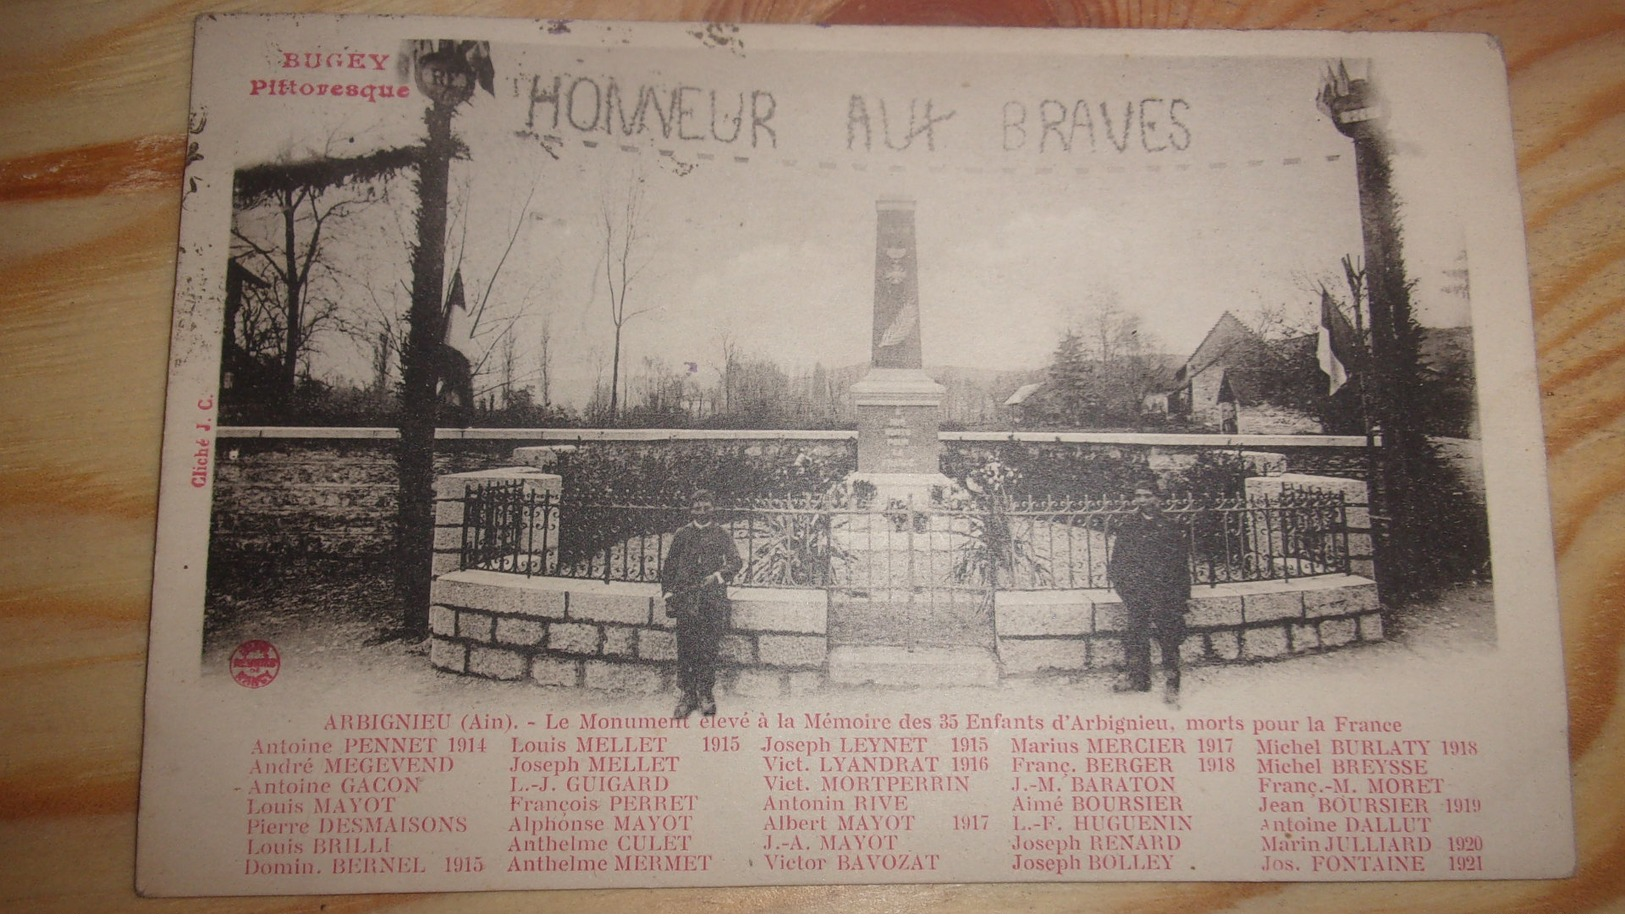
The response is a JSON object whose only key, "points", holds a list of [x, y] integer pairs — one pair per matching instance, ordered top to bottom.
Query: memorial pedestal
{"points": [[898, 447], [902, 619]]}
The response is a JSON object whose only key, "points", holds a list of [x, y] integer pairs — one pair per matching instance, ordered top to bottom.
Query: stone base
{"points": [[888, 386], [898, 413], [912, 488], [925, 666]]}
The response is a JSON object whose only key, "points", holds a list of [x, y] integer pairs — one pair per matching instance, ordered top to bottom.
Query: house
{"points": [[1236, 382]]}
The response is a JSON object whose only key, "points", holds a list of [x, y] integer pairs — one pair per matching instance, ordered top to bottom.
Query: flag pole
{"points": [[1356, 291]]}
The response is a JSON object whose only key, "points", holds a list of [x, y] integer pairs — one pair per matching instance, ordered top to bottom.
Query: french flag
{"points": [[1338, 347]]}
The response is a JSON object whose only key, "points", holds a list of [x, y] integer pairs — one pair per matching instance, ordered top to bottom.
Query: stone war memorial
{"points": [[900, 575]]}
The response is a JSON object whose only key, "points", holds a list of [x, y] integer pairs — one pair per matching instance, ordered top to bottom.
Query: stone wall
{"points": [[318, 497], [298, 500], [1081, 630], [615, 637]]}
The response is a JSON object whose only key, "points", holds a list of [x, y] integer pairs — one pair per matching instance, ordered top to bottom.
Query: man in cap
{"points": [[1150, 569], [694, 579]]}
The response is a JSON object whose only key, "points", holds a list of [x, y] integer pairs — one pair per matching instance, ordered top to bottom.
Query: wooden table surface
{"points": [[93, 100]]}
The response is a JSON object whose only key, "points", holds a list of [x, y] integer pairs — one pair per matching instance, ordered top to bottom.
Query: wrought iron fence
{"points": [[984, 542], [1066, 544]]}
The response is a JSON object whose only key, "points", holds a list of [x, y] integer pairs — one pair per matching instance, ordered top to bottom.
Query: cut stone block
{"points": [[449, 512], [508, 594], [1340, 596], [621, 603], [1271, 606], [1211, 608], [796, 611], [1042, 612], [1110, 615], [442, 621], [476, 626], [1371, 627], [524, 631], [1335, 632], [572, 637], [619, 641], [1264, 643], [654, 644], [737, 648], [1193, 649], [792, 650], [1106, 653], [448, 655], [1036, 655], [496, 663], [555, 671], [623, 678], [758, 683], [804, 683]]}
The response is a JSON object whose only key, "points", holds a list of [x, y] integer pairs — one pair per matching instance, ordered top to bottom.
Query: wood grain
{"points": [[94, 100]]}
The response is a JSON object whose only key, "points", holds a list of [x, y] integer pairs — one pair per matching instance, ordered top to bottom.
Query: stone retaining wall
{"points": [[1080, 630], [614, 637]]}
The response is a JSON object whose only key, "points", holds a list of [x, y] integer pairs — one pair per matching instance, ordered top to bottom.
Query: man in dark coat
{"points": [[1150, 569], [694, 579]]}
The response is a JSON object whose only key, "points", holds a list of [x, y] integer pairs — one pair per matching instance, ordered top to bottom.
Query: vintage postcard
{"points": [[683, 455]]}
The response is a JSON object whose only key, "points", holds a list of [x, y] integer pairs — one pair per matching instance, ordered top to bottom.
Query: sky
{"points": [[1175, 188]]}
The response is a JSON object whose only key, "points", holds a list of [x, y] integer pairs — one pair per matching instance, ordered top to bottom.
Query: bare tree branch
{"points": [[512, 238]]}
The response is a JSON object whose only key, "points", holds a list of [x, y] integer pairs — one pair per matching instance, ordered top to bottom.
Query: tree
{"points": [[446, 72], [284, 214], [622, 219], [1284, 319], [382, 350], [500, 350], [544, 361], [730, 362], [506, 365], [1126, 368], [1102, 369], [761, 391], [1071, 392], [655, 394], [1402, 494]]}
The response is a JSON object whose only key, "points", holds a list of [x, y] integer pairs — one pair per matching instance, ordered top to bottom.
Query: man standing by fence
{"points": [[1150, 569], [694, 578]]}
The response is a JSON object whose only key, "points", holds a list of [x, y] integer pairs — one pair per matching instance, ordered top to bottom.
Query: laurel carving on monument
{"points": [[902, 325]]}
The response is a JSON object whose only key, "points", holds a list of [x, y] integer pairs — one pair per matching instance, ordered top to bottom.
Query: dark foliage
{"points": [[256, 184], [1062, 470], [667, 473], [605, 478]]}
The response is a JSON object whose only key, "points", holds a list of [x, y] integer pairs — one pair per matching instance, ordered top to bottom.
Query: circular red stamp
{"points": [[255, 663]]}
